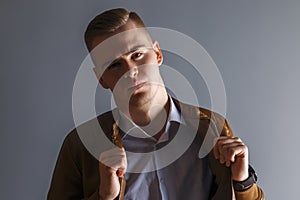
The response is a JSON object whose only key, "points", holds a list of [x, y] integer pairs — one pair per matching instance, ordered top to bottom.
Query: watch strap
{"points": [[246, 184]]}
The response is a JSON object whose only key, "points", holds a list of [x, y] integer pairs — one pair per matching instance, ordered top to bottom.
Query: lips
{"points": [[136, 86]]}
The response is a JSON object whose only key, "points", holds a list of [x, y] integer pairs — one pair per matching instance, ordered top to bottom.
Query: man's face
{"points": [[128, 64]]}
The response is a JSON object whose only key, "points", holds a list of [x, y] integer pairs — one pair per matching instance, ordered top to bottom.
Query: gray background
{"points": [[255, 44]]}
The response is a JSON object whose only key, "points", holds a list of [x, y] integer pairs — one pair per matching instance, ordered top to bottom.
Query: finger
{"points": [[225, 140], [220, 141], [223, 144], [222, 149], [232, 151], [239, 151], [112, 152], [115, 153], [222, 158], [104, 159], [114, 159], [115, 162], [121, 172]]}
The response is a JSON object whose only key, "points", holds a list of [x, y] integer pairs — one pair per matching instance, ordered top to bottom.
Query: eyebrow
{"points": [[133, 49]]}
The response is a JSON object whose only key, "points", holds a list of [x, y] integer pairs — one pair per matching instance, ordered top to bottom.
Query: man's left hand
{"points": [[232, 152]]}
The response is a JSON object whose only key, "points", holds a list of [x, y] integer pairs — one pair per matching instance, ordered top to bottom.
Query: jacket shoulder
{"points": [[201, 117]]}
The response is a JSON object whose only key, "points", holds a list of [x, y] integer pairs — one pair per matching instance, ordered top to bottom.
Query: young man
{"points": [[147, 119]]}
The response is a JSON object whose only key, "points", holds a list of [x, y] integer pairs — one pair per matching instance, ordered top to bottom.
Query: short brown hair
{"points": [[108, 22]]}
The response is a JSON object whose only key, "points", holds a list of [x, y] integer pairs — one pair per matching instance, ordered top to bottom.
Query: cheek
{"points": [[150, 70], [113, 76], [109, 81]]}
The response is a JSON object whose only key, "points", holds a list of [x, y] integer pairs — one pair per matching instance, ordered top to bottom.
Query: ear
{"points": [[158, 52], [100, 79]]}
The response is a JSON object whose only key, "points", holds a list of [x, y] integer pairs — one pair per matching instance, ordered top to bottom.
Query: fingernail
{"points": [[119, 173]]}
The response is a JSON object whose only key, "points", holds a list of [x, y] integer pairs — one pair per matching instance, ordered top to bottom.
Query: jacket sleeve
{"points": [[66, 181], [253, 193]]}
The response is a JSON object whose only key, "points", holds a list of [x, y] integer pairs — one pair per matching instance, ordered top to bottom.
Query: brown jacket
{"points": [[76, 174]]}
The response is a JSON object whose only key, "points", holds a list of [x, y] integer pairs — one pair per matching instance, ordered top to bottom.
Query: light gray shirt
{"points": [[188, 177]]}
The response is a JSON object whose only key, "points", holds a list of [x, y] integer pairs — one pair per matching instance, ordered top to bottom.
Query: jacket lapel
{"points": [[207, 129]]}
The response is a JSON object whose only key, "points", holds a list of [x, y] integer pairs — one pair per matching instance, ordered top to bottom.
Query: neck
{"points": [[146, 114], [150, 114], [154, 119]]}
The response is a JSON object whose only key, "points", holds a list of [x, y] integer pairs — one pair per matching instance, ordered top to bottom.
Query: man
{"points": [[148, 120]]}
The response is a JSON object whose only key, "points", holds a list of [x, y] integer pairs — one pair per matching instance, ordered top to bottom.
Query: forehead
{"points": [[109, 47]]}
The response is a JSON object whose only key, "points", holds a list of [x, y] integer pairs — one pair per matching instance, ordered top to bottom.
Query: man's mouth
{"points": [[136, 86]]}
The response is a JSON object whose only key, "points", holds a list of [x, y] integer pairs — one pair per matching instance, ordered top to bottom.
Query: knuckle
{"points": [[231, 151]]}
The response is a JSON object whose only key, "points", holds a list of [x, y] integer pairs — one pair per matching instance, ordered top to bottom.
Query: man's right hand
{"points": [[112, 166]]}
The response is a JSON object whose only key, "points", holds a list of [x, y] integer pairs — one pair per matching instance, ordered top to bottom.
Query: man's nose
{"points": [[132, 70]]}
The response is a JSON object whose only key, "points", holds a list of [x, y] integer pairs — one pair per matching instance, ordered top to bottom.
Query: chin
{"points": [[140, 98]]}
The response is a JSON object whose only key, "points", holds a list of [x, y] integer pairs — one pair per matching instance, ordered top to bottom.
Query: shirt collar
{"points": [[174, 114], [127, 125]]}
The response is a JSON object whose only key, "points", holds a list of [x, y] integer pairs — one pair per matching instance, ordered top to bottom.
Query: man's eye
{"points": [[137, 55]]}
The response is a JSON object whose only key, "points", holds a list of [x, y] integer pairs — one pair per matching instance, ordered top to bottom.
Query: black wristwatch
{"points": [[246, 184]]}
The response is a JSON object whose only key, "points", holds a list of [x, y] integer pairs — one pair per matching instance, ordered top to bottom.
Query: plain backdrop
{"points": [[255, 44]]}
